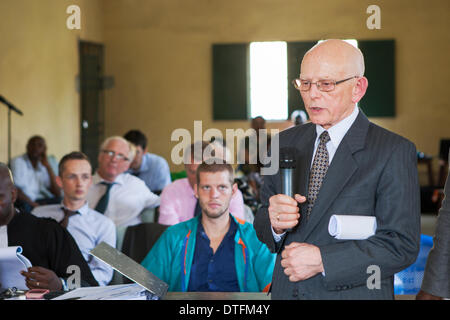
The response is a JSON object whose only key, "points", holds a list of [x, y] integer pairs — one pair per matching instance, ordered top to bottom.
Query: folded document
{"points": [[351, 227], [11, 263]]}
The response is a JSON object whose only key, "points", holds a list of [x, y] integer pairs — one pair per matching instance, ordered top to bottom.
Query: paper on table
{"points": [[351, 227], [11, 263], [113, 292]]}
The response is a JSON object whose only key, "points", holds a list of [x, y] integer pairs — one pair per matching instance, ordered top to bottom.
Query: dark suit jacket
{"points": [[373, 173], [46, 244], [436, 279]]}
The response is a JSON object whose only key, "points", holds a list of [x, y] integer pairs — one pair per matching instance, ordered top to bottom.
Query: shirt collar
{"points": [[338, 131], [40, 166], [96, 179], [83, 210], [230, 233]]}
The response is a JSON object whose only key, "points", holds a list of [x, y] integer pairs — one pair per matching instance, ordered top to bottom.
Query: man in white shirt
{"points": [[34, 176], [120, 196], [88, 227]]}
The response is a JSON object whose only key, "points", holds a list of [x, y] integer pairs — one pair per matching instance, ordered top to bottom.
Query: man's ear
{"points": [[359, 90], [59, 181], [234, 188], [195, 191]]}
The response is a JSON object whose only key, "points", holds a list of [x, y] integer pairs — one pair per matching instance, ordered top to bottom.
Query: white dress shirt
{"points": [[336, 133], [35, 183], [128, 197], [88, 228], [3, 237]]}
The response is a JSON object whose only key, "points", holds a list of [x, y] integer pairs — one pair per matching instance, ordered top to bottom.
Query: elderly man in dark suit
{"points": [[346, 165]]}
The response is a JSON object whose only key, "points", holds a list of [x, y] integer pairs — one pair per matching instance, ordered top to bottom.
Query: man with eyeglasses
{"points": [[346, 165], [120, 196]]}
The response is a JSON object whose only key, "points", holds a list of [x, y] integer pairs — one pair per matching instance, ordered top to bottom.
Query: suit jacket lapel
{"points": [[342, 167]]}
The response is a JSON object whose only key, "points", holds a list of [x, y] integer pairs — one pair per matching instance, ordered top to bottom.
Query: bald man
{"points": [[346, 165]]}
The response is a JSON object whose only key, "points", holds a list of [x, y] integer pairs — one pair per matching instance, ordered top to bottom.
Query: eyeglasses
{"points": [[322, 85], [118, 156]]}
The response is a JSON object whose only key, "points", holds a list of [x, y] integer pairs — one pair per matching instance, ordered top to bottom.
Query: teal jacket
{"points": [[170, 259]]}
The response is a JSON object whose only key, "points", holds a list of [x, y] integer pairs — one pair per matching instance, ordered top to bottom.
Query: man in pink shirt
{"points": [[178, 202]]}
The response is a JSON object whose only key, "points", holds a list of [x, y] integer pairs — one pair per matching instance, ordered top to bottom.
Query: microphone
{"points": [[10, 105], [287, 166]]}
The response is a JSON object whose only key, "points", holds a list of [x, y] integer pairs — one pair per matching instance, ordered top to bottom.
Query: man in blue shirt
{"points": [[151, 168], [213, 251]]}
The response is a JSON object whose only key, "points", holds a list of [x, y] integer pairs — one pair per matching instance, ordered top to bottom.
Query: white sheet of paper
{"points": [[352, 227], [11, 263], [114, 292]]}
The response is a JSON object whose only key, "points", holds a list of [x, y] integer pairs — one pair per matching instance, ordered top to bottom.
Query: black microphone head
{"points": [[287, 158]]}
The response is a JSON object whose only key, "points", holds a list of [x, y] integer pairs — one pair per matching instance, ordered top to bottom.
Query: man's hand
{"points": [[44, 159], [284, 212], [301, 261], [41, 278], [422, 295]]}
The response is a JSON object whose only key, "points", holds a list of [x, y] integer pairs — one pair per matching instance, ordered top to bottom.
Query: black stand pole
{"points": [[10, 107], [9, 136]]}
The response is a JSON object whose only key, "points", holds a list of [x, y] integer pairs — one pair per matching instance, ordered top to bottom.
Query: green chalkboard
{"points": [[379, 57], [230, 81]]}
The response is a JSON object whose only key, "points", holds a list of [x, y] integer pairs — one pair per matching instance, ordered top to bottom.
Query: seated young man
{"points": [[178, 201], [87, 226], [213, 251]]}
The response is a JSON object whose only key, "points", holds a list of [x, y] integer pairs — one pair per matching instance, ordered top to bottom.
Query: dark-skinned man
{"points": [[48, 246]]}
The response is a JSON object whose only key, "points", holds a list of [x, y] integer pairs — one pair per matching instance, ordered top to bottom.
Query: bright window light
{"points": [[268, 80]]}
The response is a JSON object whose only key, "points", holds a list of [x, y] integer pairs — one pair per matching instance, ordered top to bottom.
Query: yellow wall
{"points": [[159, 52], [160, 55], [38, 66]]}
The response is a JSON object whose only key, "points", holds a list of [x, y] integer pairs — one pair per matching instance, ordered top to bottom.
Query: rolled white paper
{"points": [[349, 227]]}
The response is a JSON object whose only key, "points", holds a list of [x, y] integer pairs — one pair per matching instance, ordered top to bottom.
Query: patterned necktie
{"points": [[318, 171], [103, 202], [67, 214]]}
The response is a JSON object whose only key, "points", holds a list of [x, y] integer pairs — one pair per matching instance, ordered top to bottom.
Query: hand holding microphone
{"points": [[283, 208], [284, 212]]}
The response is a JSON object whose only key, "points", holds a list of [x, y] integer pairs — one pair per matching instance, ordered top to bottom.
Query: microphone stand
{"points": [[10, 107]]}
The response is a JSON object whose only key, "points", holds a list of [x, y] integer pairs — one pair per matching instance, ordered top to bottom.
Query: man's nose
{"points": [[314, 91], [214, 193]]}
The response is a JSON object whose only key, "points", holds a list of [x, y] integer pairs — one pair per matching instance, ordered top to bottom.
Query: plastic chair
{"points": [[409, 280]]}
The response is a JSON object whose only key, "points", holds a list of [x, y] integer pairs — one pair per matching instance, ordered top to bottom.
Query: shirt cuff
{"points": [[277, 237]]}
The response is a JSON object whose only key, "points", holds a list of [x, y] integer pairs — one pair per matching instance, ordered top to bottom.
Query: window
{"points": [[268, 80]]}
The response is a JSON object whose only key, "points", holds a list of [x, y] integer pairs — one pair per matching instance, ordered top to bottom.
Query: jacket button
{"points": [[295, 293]]}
